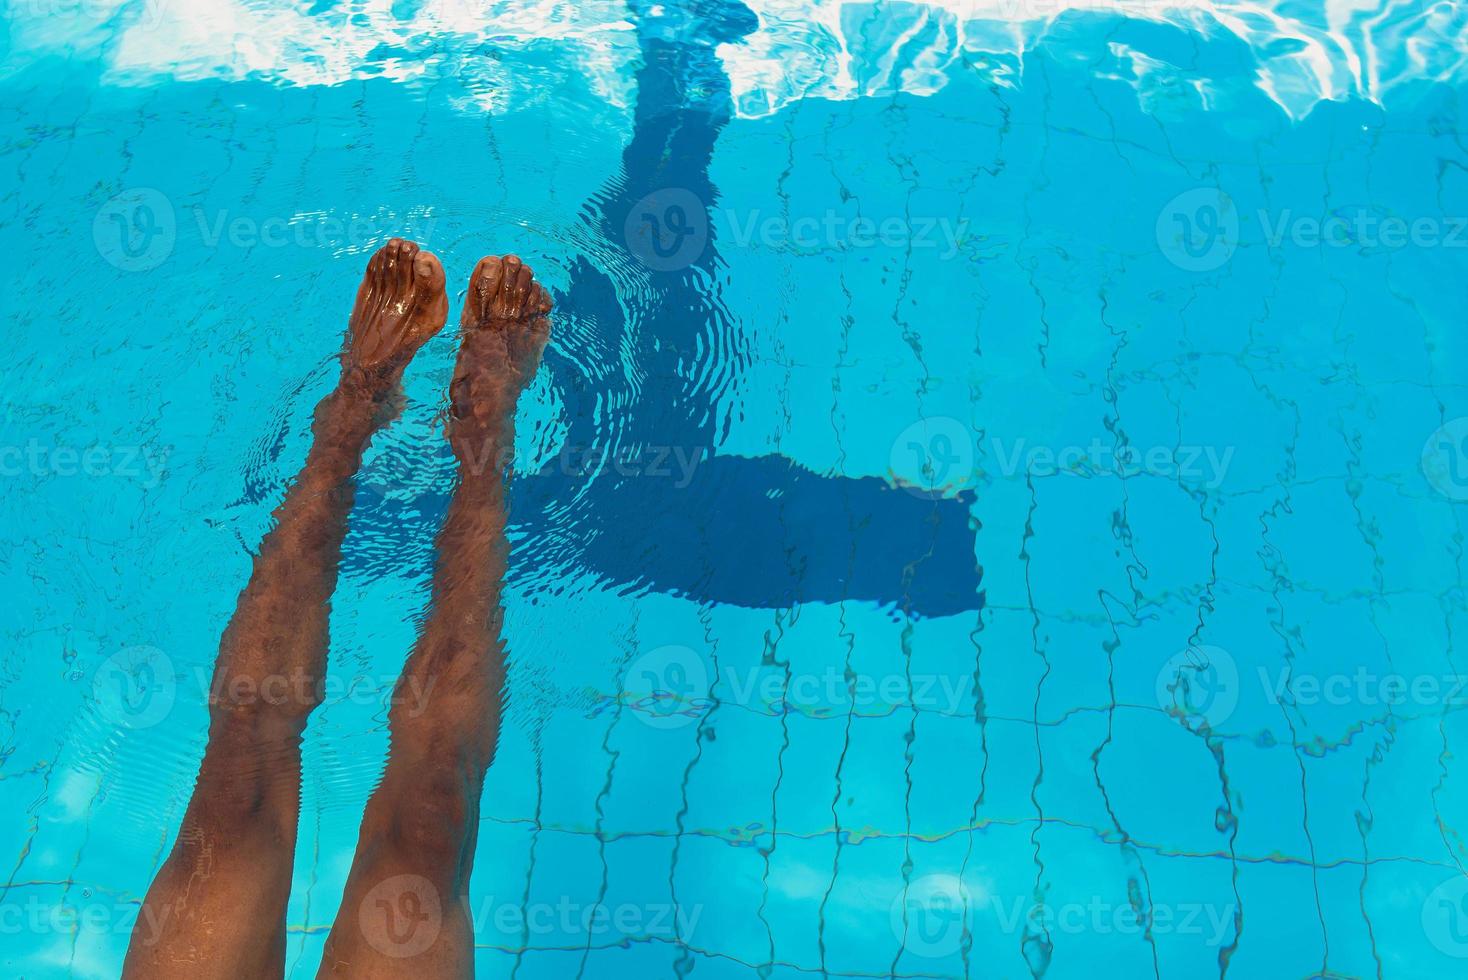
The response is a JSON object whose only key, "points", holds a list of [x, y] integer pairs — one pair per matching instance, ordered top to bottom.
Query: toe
{"points": [[390, 253], [407, 253], [377, 268], [389, 270], [428, 271], [491, 271], [507, 281], [524, 284], [483, 286], [543, 301], [430, 303]]}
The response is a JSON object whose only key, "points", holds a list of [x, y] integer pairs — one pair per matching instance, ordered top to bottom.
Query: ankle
{"points": [[358, 383], [347, 417]]}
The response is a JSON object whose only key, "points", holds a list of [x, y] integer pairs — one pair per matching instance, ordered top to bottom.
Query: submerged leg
{"points": [[217, 906], [404, 911]]}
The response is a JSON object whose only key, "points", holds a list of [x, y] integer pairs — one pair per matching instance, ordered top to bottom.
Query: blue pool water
{"points": [[993, 505]]}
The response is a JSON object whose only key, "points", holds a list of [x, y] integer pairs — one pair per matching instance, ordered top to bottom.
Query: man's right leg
{"points": [[217, 907]]}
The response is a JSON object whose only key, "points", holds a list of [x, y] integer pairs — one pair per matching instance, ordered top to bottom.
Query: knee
{"points": [[273, 704], [431, 818]]}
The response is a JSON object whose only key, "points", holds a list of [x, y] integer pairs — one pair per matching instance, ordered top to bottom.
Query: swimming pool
{"points": [[992, 506]]}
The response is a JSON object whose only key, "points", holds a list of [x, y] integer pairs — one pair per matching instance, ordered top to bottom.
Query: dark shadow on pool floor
{"points": [[756, 532]]}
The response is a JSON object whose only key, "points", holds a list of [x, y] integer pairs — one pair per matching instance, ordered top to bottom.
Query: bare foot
{"points": [[400, 305], [505, 328]]}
